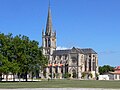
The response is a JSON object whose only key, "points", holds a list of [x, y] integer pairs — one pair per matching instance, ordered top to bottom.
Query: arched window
{"points": [[45, 42], [48, 51], [54, 57], [60, 57], [65, 57], [74, 61], [55, 62], [60, 62], [89, 64], [85, 65], [94, 65], [66, 68], [50, 69], [56, 69], [61, 69], [74, 73]]}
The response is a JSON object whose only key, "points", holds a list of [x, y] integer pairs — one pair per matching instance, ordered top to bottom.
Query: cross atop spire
{"points": [[49, 22]]}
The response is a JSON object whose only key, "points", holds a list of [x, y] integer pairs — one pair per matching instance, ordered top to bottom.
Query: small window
{"points": [[49, 43]]}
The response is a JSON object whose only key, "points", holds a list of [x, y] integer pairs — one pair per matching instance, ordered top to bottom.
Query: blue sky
{"points": [[80, 23]]}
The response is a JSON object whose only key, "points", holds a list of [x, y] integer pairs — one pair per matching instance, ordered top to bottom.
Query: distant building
{"points": [[74, 62], [116, 73], [111, 75]]}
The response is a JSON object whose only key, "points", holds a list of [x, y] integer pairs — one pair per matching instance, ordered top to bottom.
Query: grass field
{"points": [[62, 84]]}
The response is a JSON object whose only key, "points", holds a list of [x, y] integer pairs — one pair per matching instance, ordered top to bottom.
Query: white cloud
{"points": [[62, 48], [109, 52]]}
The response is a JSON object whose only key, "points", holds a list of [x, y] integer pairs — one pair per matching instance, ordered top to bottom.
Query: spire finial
{"points": [[49, 4]]}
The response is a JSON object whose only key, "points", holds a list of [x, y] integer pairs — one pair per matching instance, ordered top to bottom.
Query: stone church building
{"points": [[76, 62]]}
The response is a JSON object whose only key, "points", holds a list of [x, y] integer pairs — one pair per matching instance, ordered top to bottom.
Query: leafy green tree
{"points": [[7, 50], [5, 53], [20, 55], [5, 66], [14, 68], [1, 69], [105, 69]]}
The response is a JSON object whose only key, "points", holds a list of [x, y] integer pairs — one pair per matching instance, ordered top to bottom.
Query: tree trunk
{"points": [[0, 76], [19, 76], [26, 76], [32, 76], [6, 77], [13, 77]]}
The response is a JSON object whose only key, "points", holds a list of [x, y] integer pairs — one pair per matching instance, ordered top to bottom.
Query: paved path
{"points": [[61, 89]]}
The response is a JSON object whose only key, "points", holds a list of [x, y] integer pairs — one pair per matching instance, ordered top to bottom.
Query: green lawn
{"points": [[62, 84]]}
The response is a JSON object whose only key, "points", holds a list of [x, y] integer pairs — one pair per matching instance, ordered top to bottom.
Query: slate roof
{"points": [[74, 50], [79, 50], [88, 51], [61, 52]]}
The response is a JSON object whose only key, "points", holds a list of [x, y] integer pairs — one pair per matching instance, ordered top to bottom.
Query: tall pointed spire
{"points": [[49, 21]]}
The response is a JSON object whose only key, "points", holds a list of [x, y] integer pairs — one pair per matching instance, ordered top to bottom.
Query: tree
{"points": [[7, 50], [6, 53], [20, 55], [1, 65], [5, 66], [14, 68], [105, 69]]}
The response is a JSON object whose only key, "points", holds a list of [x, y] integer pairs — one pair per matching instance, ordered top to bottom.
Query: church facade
{"points": [[73, 63]]}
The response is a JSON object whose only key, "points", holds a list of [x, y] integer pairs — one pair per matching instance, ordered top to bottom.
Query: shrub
{"points": [[67, 75], [83, 75]]}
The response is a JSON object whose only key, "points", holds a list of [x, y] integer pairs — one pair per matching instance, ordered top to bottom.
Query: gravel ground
{"points": [[61, 89]]}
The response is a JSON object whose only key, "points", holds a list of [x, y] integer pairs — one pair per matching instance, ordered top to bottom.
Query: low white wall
{"points": [[103, 77]]}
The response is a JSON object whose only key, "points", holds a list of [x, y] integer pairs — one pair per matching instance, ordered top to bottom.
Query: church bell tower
{"points": [[48, 37]]}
